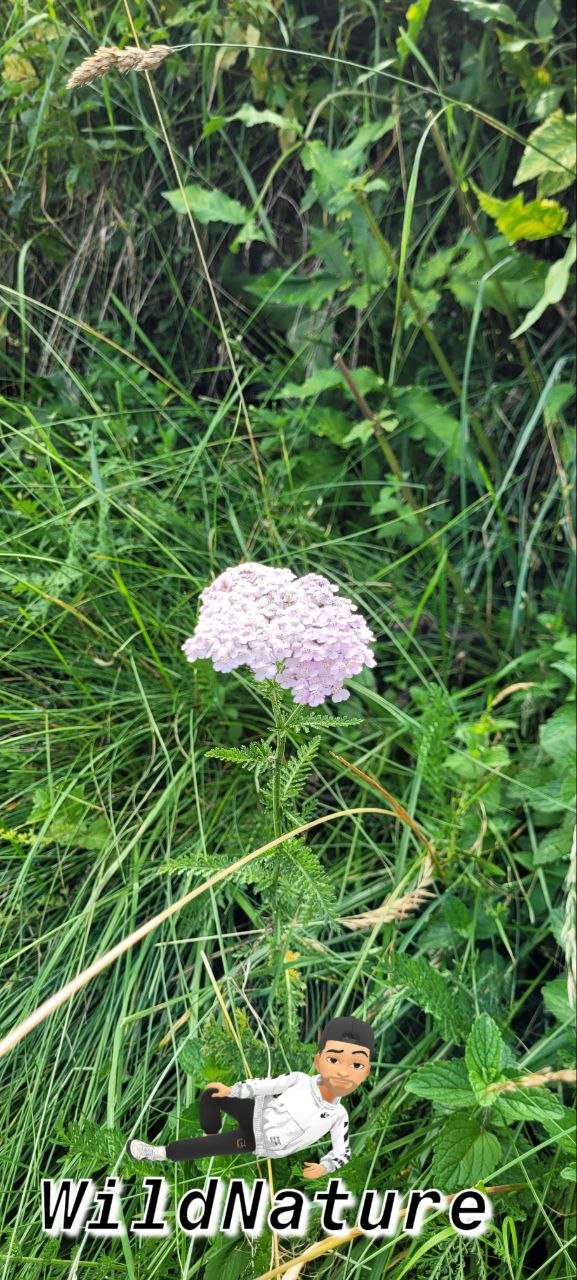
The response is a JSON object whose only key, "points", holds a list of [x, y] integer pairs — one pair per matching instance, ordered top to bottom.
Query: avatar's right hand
{"points": [[218, 1090]]}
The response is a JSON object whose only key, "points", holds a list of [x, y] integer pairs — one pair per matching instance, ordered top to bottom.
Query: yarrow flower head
{"points": [[296, 631]]}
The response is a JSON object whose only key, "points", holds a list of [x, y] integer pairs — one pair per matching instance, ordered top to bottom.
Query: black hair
{"points": [[350, 1030]]}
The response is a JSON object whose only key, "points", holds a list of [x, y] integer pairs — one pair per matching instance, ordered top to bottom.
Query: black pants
{"points": [[216, 1143]]}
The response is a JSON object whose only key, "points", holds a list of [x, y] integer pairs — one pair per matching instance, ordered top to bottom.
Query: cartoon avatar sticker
{"points": [[279, 1116]]}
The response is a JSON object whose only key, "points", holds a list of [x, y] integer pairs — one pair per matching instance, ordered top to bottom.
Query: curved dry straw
{"points": [[82, 979]]}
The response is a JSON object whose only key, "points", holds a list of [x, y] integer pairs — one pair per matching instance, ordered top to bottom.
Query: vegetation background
{"points": [[184, 253]]}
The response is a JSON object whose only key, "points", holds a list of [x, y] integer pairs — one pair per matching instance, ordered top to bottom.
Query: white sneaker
{"points": [[144, 1150]]}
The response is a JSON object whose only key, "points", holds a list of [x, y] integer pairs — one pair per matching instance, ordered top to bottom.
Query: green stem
{"points": [[276, 782]]}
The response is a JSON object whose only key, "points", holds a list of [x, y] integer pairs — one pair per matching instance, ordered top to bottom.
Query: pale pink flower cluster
{"points": [[257, 616]]}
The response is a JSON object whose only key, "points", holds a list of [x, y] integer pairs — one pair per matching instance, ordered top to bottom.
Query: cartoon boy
{"points": [[285, 1114]]}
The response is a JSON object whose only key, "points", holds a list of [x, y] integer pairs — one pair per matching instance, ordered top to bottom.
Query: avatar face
{"points": [[342, 1066]]}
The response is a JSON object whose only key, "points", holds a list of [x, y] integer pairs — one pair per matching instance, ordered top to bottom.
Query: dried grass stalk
{"points": [[109, 58], [396, 908], [569, 929], [569, 1076]]}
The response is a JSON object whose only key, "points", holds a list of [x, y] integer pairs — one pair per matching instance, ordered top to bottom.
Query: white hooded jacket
{"points": [[290, 1115]]}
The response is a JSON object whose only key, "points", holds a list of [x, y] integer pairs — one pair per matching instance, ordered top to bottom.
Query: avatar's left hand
{"points": [[313, 1170]]}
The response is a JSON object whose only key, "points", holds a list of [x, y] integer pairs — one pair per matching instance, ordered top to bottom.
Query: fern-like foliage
{"points": [[433, 741], [257, 755], [297, 770], [303, 890], [434, 992]]}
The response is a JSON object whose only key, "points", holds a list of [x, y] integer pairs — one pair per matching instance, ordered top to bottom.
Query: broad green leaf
{"points": [[487, 12], [547, 17], [414, 18], [251, 116], [555, 139], [333, 170], [207, 206], [519, 221], [522, 279], [556, 285], [294, 291], [325, 379], [428, 420], [330, 423], [363, 431], [557, 735], [555, 846], [556, 1000], [483, 1053], [190, 1058], [445, 1082], [527, 1104], [562, 1130], [464, 1155], [569, 1173]]}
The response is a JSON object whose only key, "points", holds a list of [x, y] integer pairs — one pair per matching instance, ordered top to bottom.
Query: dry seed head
{"points": [[108, 57]]}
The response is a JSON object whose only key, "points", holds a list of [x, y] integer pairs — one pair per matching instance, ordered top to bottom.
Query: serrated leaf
{"points": [[555, 139], [207, 206], [519, 221], [326, 379], [329, 722], [557, 735], [256, 755], [483, 1053], [190, 1058], [445, 1082], [527, 1104], [562, 1130], [464, 1155]]}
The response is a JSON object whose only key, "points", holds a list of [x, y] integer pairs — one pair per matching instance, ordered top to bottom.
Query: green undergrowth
{"points": [[396, 189]]}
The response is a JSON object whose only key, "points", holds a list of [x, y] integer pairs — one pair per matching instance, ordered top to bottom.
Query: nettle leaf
{"points": [[554, 161], [207, 206], [519, 221], [557, 735], [483, 1053], [190, 1058], [445, 1082], [528, 1104], [562, 1130], [465, 1154]]}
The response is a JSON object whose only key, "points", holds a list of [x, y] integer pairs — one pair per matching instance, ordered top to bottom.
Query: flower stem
{"points": [[276, 783]]}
